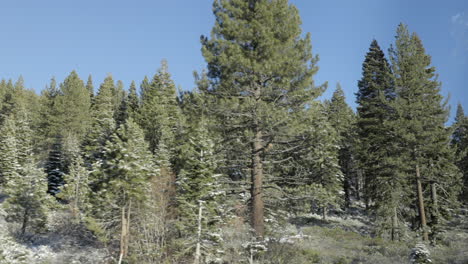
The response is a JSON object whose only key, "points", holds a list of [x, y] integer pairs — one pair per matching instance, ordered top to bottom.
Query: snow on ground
{"points": [[52, 247]]}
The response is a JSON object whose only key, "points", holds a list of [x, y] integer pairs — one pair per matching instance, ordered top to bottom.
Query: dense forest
{"points": [[222, 173]]}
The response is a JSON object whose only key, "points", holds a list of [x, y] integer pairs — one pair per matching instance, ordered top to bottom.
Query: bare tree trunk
{"points": [[256, 188], [435, 211], [324, 213], [422, 213], [25, 221], [394, 223], [127, 233], [123, 236], [197, 251]]}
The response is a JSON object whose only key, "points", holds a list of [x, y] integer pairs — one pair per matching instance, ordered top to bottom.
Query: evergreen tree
{"points": [[261, 78], [90, 87], [144, 88], [118, 95], [13, 99], [133, 101], [73, 105], [159, 113], [48, 114], [421, 118], [71, 119], [342, 119], [102, 125], [460, 142], [379, 154], [9, 165], [317, 171], [25, 183], [123, 185], [198, 186], [76, 188]]}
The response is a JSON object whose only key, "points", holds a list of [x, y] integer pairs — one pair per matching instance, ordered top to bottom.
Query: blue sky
{"points": [[41, 39]]}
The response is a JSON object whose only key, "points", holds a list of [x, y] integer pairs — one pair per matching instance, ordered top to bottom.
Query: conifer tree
{"points": [[261, 71], [90, 87], [14, 98], [133, 102], [73, 107], [70, 110], [159, 113], [48, 114], [422, 114], [342, 119], [102, 124], [460, 142], [379, 154], [9, 165], [319, 172], [26, 184], [122, 186], [198, 186], [76, 188]]}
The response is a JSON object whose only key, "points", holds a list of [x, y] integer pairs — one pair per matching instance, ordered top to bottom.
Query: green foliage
{"points": [[260, 83], [72, 106], [159, 112], [342, 119], [422, 136], [460, 143], [121, 182], [25, 184], [199, 185], [76, 188]]}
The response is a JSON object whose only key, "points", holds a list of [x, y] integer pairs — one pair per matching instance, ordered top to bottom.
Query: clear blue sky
{"points": [[41, 39]]}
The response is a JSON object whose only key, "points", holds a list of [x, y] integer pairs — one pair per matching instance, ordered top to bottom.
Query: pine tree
{"points": [[261, 78], [90, 87], [14, 98], [133, 101], [73, 106], [159, 112], [48, 115], [71, 118], [421, 118], [342, 119], [102, 124], [459, 126], [460, 143], [379, 154], [9, 165], [318, 173], [25, 183], [122, 186], [198, 186], [76, 188]]}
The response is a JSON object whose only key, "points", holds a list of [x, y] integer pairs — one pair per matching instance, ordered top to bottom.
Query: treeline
{"points": [[157, 175]]}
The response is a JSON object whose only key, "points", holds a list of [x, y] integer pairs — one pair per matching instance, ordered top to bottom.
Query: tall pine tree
{"points": [[261, 77], [422, 114]]}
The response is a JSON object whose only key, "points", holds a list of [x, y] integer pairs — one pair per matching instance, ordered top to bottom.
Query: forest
{"points": [[252, 166]]}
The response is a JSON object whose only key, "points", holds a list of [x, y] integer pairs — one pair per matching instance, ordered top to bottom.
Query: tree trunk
{"points": [[358, 185], [347, 187], [256, 188], [435, 211], [324, 213], [422, 213], [25, 221], [394, 223], [123, 236], [127, 237], [197, 251]]}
